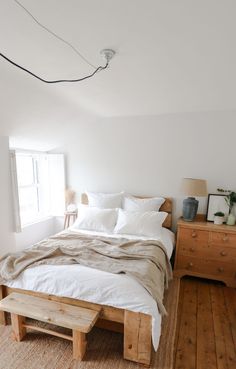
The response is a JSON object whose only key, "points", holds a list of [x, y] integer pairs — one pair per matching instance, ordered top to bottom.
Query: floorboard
{"points": [[217, 299], [206, 330], [186, 351], [206, 351]]}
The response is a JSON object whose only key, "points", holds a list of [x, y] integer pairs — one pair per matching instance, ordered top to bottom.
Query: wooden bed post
{"points": [[3, 315], [137, 337]]}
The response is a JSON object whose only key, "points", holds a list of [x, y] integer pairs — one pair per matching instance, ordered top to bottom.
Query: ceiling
{"points": [[172, 56]]}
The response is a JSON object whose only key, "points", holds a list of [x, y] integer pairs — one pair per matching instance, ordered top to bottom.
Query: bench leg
{"points": [[3, 315], [3, 318], [18, 331], [137, 337], [79, 345]]}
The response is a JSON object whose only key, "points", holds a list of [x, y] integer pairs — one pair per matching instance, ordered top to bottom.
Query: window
{"points": [[27, 170], [40, 186]]}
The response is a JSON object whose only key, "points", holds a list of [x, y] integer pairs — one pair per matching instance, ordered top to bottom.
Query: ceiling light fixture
{"points": [[108, 54]]}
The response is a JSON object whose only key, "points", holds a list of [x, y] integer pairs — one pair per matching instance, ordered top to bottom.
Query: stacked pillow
{"points": [[105, 200], [131, 203], [101, 213], [105, 214], [95, 219], [147, 223]]}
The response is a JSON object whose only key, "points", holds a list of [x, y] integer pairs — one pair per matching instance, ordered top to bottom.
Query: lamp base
{"points": [[190, 206]]}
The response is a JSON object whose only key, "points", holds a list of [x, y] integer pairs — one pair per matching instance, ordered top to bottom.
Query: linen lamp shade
{"points": [[192, 187]]}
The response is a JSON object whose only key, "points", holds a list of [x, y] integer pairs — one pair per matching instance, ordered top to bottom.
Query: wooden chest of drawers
{"points": [[206, 250]]}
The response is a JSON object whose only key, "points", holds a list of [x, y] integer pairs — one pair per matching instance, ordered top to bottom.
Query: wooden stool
{"points": [[68, 217], [80, 320]]}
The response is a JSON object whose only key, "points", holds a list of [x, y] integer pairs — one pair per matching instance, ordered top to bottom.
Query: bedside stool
{"points": [[69, 216]]}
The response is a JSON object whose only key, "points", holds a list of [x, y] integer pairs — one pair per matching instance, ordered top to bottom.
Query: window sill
{"points": [[36, 221]]}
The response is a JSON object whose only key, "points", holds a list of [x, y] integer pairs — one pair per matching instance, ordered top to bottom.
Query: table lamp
{"points": [[192, 187]]}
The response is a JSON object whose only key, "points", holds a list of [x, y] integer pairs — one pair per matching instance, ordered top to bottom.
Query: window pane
{"points": [[25, 170], [41, 185], [29, 208]]}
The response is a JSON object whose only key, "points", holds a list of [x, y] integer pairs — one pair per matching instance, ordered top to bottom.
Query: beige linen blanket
{"points": [[146, 261]]}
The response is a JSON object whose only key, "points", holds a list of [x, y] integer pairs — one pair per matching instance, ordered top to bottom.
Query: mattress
{"points": [[84, 283]]}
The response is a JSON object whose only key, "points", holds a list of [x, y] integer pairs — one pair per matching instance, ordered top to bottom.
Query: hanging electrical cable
{"points": [[54, 34], [106, 53], [54, 81]]}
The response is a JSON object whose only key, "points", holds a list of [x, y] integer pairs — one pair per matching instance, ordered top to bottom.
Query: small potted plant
{"points": [[230, 198], [219, 217]]}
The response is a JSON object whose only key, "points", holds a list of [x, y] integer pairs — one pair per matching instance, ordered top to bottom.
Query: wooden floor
{"points": [[206, 334]]}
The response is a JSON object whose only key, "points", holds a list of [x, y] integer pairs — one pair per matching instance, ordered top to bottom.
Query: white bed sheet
{"points": [[84, 283]]}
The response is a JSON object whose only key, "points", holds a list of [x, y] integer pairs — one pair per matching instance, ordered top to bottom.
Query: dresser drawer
{"points": [[193, 237], [223, 239], [213, 252], [206, 266]]}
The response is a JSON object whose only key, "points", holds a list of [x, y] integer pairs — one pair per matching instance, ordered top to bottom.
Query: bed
{"points": [[126, 306]]}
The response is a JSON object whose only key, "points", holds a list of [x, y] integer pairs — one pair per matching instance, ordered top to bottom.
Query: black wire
{"points": [[54, 34], [53, 81]]}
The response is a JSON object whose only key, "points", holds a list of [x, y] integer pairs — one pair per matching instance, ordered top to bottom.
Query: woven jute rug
{"points": [[104, 351]]}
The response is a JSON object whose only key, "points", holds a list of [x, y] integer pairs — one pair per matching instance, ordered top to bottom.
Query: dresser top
{"points": [[200, 223]]}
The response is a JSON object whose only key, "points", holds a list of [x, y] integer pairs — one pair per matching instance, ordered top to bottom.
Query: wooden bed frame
{"points": [[137, 327]]}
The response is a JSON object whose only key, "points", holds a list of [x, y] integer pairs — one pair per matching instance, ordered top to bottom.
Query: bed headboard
{"points": [[167, 207]]}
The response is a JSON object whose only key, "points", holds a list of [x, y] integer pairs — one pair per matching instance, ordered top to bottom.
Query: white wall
{"points": [[144, 155], [149, 155], [34, 233], [7, 243]]}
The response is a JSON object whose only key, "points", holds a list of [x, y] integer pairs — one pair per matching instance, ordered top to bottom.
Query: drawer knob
{"points": [[194, 234], [191, 249], [223, 253], [190, 265], [220, 269]]}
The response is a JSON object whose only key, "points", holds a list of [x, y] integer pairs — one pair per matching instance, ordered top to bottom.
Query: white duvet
{"points": [[80, 282]]}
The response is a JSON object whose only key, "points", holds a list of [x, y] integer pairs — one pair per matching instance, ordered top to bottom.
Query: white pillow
{"points": [[105, 200], [131, 203], [94, 219], [147, 223]]}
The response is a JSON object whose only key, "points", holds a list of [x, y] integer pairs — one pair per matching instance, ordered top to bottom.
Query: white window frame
{"points": [[35, 185], [54, 204]]}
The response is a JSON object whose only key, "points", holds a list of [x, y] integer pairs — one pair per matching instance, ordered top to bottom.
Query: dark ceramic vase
{"points": [[190, 206]]}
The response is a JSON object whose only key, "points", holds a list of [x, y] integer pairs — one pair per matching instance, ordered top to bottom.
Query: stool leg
{"points": [[65, 221], [68, 221], [3, 318], [19, 331], [79, 345]]}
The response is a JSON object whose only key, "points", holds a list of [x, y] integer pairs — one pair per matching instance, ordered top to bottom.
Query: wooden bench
{"points": [[80, 320]]}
